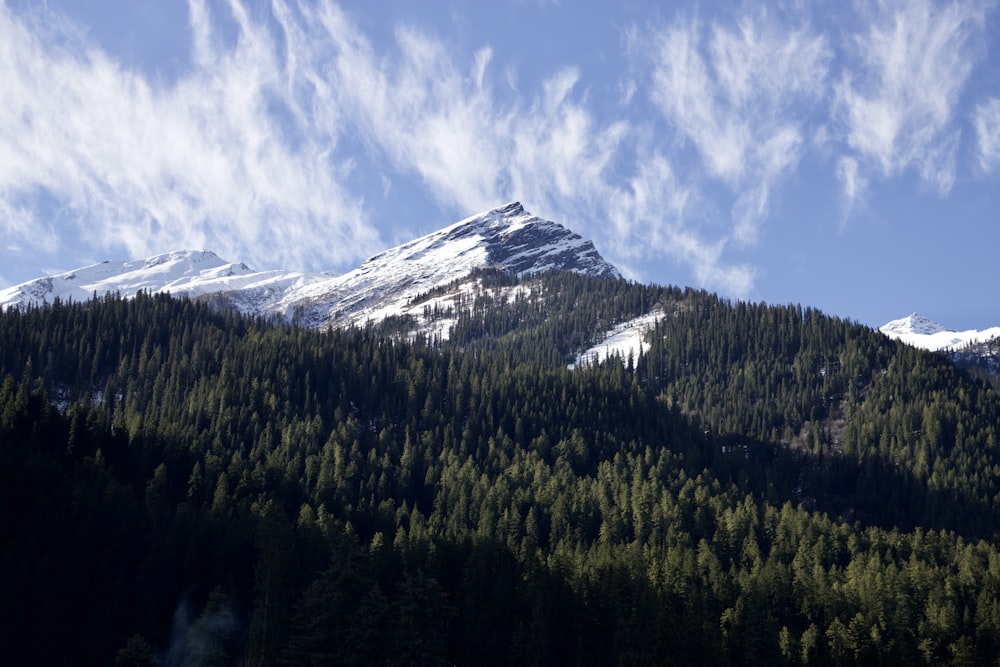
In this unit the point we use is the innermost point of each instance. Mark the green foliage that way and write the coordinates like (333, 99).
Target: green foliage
(763, 485)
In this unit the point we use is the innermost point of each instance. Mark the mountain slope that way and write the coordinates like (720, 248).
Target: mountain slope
(976, 351)
(508, 238)
(758, 475)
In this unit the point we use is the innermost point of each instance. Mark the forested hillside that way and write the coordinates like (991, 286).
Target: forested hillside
(763, 485)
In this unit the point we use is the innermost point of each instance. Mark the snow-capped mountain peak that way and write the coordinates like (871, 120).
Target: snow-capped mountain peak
(919, 331)
(507, 237)
(173, 271)
(915, 323)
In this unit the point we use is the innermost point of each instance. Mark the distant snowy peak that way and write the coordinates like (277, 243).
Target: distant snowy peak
(924, 333)
(167, 272)
(915, 323)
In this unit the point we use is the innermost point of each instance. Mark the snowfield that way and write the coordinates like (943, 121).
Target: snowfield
(625, 339)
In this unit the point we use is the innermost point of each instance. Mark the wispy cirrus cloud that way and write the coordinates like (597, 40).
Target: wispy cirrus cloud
(853, 183)
(145, 166)
(471, 146)
(19, 229)
(896, 100)
(259, 148)
(242, 152)
(426, 112)
(986, 120)
(736, 93)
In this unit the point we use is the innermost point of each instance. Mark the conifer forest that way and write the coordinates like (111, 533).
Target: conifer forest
(759, 485)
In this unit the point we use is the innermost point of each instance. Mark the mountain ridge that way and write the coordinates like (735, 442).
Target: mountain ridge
(507, 237)
(389, 283)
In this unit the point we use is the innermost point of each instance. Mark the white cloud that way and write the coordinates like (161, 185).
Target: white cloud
(203, 162)
(19, 229)
(627, 91)
(656, 207)
(419, 111)
(735, 93)
(897, 101)
(248, 151)
(987, 122)
(853, 183)
(473, 148)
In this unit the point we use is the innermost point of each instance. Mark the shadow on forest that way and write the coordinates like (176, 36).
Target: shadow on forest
(873, 492)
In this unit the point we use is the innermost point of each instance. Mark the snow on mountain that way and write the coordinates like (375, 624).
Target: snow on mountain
(180, 272)
(436, 314)
(623, 340)
(915, 323)
(917, 330)
(507, 237)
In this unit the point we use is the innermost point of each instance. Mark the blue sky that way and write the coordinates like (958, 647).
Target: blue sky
(842, 156)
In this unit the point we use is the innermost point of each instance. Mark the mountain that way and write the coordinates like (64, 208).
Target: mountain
(183, 272)
(764, 484)
(919, 331)
(915, 323)
(508, 238)
(977, 351)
